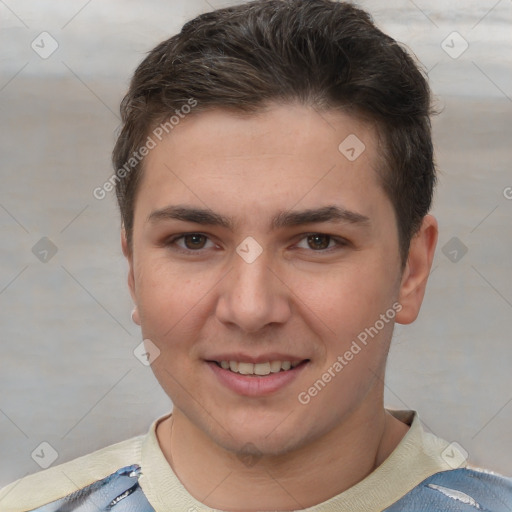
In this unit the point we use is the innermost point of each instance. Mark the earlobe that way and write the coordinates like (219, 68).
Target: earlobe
(135, 315)
(417, 270)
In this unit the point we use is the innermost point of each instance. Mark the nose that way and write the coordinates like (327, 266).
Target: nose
(253, 296)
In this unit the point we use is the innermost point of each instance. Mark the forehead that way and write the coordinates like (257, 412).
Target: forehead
(279, 129)
(285, 155)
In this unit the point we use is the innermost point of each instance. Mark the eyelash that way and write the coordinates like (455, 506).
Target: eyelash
(340, 242)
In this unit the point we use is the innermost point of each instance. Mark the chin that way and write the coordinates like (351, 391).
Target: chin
(257, 447)
(271, 437)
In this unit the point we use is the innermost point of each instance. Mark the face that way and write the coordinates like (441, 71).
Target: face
(258, 244)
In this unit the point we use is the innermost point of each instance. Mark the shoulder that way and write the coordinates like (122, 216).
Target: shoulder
(54, 483)
(459, 490)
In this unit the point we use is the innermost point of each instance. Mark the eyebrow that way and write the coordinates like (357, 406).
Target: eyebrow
(289, 218)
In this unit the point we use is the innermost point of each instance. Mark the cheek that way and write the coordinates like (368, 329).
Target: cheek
(171, 299)
(355, 345)
(351, 296)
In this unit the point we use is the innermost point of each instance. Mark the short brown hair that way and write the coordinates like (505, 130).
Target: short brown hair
(320, 53)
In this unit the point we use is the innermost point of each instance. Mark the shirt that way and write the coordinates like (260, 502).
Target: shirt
(134, 476)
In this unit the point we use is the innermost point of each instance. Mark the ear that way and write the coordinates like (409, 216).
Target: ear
(417, 270)
(131, 277)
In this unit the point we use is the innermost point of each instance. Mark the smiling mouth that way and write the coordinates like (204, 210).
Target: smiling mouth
(258, 369)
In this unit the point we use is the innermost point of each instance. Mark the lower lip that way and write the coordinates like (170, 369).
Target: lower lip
(256, 385)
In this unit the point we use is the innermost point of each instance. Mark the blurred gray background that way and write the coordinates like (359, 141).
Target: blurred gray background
(68, 375)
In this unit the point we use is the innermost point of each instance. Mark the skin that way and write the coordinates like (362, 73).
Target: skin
(296, 298)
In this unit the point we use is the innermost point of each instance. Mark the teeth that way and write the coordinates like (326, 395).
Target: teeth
(275, 366)
(246, 368)
(258, 368)
(262, 368)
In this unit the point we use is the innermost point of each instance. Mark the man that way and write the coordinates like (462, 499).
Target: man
(274, 175)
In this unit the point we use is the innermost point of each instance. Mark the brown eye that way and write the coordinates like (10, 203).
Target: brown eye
(194, 241)
(318, 241)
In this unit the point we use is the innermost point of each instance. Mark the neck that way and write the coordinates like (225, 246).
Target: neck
(303, 478)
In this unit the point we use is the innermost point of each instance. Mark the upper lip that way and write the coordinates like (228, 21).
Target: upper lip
(263, 358)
